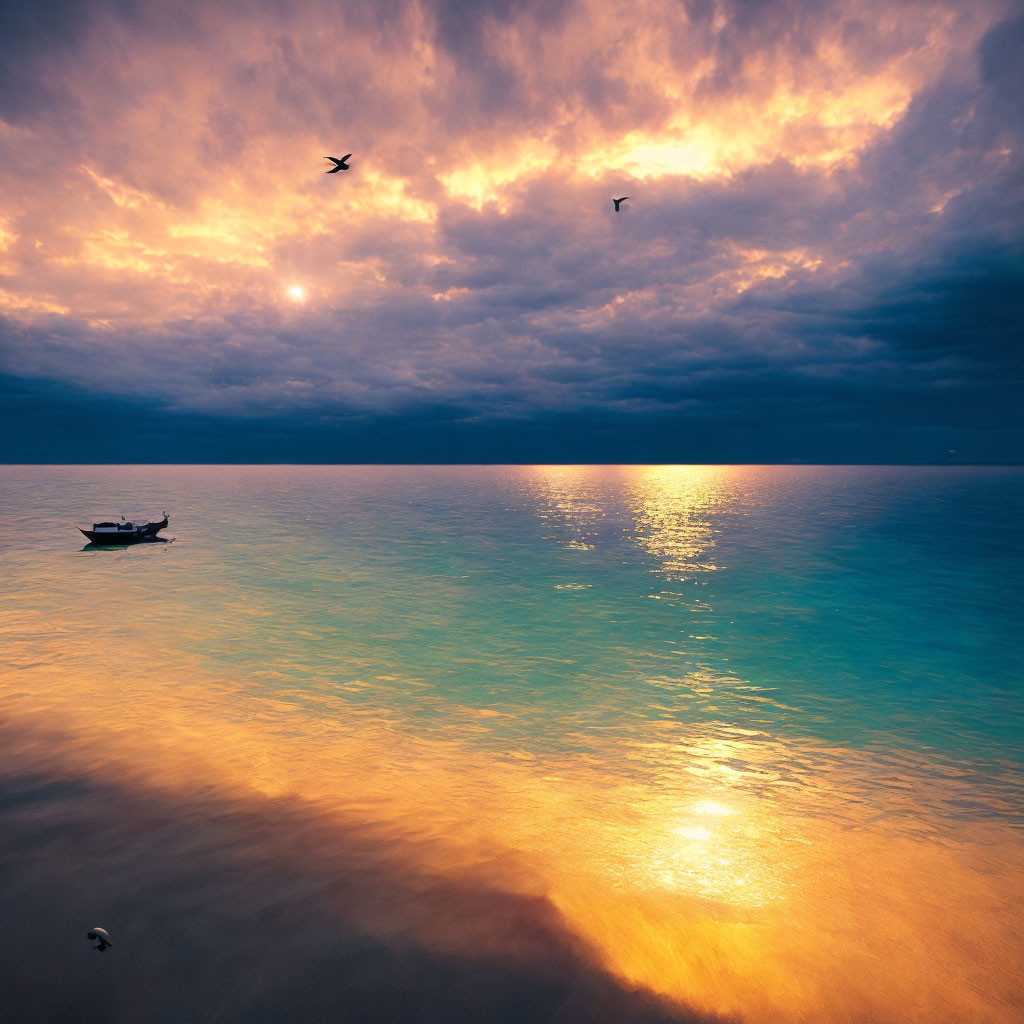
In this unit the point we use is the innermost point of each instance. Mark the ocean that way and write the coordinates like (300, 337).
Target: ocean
(549, 743)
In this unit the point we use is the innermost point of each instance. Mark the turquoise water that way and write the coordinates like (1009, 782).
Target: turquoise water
(839, 644)
(867, 606)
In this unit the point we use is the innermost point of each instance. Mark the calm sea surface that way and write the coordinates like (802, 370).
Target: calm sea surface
(514, 743)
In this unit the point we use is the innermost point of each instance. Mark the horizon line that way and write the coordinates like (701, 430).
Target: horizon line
(470, 465)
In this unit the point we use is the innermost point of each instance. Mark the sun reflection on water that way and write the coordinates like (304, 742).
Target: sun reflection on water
(715, 882)
(674, 508)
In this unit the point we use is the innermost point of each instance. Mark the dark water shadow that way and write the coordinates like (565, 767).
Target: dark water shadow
(264, 909)
(124, 547)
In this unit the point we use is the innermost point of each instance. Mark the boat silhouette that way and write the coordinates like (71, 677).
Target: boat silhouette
(125, 532)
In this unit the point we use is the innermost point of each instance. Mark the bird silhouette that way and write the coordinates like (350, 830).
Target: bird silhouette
(617, 201)
(101, 937)
(340, 165)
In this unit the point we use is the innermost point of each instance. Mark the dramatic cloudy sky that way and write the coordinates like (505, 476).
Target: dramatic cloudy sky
(822, 258)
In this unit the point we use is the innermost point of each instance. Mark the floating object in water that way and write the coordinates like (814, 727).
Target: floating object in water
(125, 532)
(101, 937)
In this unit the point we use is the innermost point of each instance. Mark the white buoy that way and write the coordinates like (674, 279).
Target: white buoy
(101, 936)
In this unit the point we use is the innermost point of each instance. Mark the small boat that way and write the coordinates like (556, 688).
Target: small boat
(125, 532)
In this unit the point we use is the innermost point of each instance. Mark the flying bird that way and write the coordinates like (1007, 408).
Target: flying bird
(101, 936)
(615, 201)
(339, 165)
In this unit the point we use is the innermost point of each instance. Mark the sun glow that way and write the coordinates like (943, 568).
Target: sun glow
(297, 293)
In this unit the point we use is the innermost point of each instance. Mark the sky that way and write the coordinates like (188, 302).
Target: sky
(821, 259)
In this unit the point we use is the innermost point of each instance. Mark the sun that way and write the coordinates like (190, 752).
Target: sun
(297, 293)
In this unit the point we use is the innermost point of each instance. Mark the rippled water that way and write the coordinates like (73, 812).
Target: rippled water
(613, 743)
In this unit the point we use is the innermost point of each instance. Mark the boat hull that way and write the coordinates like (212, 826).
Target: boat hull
(108, 538)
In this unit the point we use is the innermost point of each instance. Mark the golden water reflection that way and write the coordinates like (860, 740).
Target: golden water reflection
(572, 500)
(673, 509)
(724, 883)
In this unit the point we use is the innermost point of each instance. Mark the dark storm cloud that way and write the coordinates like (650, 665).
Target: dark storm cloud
(30, 36)
(1002, 72)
